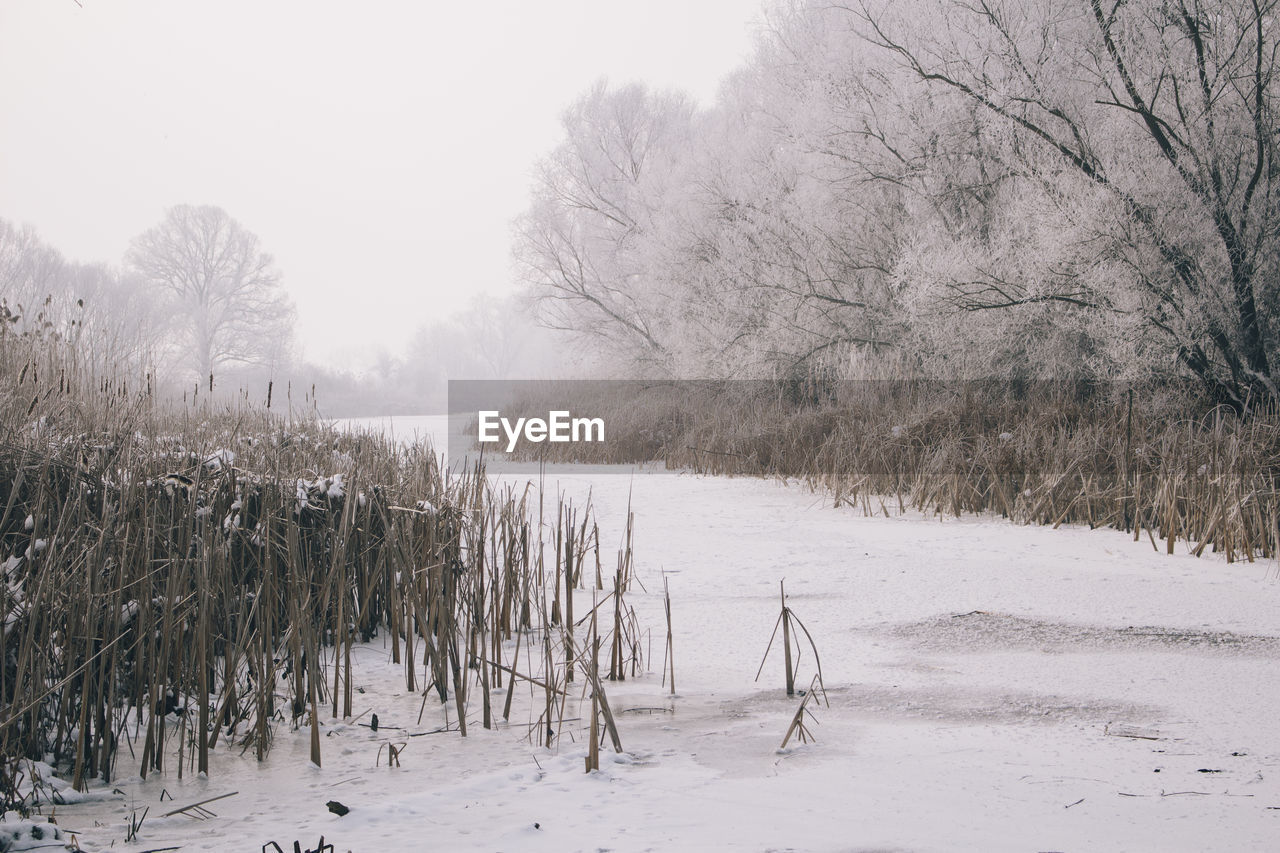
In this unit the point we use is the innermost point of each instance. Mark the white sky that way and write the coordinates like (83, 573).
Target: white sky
(379, 149)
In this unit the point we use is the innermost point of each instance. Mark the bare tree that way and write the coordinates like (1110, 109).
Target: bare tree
(227, 304)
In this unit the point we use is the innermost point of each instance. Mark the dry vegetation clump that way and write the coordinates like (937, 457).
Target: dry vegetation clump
(1154, 462)
(179, 577)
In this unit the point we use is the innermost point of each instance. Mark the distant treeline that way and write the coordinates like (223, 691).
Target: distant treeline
(226, 332)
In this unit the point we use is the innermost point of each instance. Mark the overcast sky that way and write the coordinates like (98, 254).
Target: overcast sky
(379, 149)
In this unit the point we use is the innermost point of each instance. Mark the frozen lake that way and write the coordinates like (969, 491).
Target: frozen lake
(991, 687)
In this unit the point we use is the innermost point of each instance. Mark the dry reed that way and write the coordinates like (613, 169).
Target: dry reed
(1155, 462)
(180, 576)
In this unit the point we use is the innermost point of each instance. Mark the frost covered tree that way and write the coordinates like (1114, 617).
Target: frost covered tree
(221, 290)
(791, 240)
(1140, 138)
(728, 242)
(584, 246)
(997, 188)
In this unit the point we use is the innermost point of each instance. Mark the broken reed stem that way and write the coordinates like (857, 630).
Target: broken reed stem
(669, 662)
(786, 639)
(569, 586)
(797, 720)
(593, 747)
(785, 619)
(315, 716)
(616, 672)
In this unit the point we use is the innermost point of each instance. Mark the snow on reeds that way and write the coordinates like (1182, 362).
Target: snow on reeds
(181, 580)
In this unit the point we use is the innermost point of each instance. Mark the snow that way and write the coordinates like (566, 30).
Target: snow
(17, 834)
(220, 459)
(335, 489)
(985, 683)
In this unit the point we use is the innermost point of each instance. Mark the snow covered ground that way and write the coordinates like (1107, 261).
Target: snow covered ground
(984, 681)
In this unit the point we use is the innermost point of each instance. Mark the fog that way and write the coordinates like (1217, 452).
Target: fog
(379, 151)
